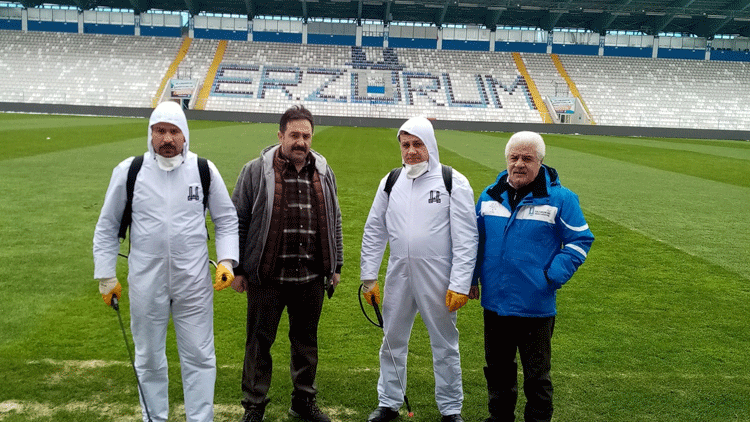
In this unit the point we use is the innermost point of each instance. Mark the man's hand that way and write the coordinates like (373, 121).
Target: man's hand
(454, 301)
(371, 291)
(224, 275)
(474, 292)
(109, 287)
(239, 284)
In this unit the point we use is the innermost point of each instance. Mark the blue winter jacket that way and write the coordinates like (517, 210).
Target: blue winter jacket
(524, 256)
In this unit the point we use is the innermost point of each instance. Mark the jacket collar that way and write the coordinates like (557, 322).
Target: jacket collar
(538, 186)
(281, 163)
(320, 163)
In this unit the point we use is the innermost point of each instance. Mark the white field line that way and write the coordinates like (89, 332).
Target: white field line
(128, 413)
(33, 410)
(71, 365)
(93, 364)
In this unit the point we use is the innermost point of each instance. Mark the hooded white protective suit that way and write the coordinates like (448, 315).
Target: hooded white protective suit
(433, 244)
(168, 268)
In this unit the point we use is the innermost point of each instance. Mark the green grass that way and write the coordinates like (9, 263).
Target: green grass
(653, 327)
(27, 135)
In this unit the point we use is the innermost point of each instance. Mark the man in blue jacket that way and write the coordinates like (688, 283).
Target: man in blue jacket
(532, 238)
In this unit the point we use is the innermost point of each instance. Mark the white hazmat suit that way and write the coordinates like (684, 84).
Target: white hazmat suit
(168, 268)
(433, 244)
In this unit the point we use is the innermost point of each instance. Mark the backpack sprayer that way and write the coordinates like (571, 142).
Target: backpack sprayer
(116, 307)
(379, 324)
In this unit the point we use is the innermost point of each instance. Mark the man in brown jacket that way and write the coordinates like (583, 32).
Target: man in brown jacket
(291, 252)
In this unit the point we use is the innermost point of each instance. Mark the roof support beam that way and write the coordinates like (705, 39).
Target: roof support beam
(661, 23)
(701, 17)
(140, 6)
(85, 4)
(493, 18)
(739, 6)
(607, 19)
(439, 21)
(193, 7)
(714, 28)
(550, 20)
(603, 22)
(711, 30)
(250, 9)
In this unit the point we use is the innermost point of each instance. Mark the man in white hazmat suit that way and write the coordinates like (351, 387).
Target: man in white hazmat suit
(433, 242)
(168, 264)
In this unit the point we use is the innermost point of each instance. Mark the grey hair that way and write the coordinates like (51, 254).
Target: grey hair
(527, 138)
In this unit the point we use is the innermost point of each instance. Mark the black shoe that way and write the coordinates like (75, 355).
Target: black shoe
(492, 419)
(452, 418)
(253, 414)
(307, 410)
(382, 414)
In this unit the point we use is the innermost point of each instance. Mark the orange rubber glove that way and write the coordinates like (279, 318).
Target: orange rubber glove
(454, 301)
(224, 275)
(371, 291)
(108, 287)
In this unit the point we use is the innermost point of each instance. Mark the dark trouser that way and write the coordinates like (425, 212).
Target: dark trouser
(265, 305)
(532, 338)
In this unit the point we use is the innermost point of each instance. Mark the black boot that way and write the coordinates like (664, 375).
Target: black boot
(253, 414)
(382, 414)
(307, 410)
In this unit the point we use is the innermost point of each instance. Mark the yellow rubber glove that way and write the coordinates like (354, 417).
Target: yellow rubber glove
(371, 291)
(454, 301)
(108, 287)
(224, 275)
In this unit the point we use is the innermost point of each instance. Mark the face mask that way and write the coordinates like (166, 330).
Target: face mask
(169, 164)
(415, 170)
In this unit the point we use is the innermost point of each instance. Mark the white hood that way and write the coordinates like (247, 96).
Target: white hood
(169, 112)
(422, 128)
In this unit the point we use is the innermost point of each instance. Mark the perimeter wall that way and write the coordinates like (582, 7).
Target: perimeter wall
(650, 132)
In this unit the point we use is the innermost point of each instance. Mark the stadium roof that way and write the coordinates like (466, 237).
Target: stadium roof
(704, 18)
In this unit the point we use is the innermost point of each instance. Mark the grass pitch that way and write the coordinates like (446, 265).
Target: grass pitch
(653, 327)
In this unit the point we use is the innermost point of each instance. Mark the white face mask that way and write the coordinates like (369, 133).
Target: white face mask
(169, 164)
(415, 170)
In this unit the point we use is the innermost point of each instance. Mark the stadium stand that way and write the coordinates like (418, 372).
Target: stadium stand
(371, 82)
(199, 56)
(83, 69)
(260, 77)
(663, 92)
(547, 78)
